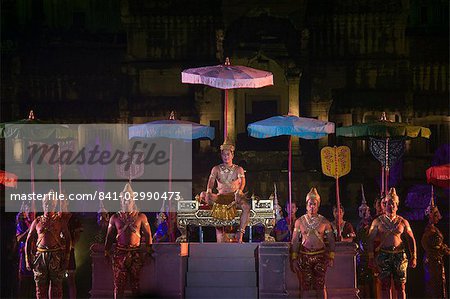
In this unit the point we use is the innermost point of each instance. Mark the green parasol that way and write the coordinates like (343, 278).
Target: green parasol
(33, 130)
(386, 130)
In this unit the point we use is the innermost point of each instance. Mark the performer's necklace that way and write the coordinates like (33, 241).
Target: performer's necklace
(312, 223)
(389, 224)
(46, 218)
(47, 221)
(227, 173)
(127, 217)
(391, 220)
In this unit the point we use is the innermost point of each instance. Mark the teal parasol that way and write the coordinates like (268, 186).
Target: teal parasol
(391, 146)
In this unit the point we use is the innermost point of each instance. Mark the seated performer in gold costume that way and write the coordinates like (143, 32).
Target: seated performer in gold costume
(391, 262)
(230, 180)
(310, 257)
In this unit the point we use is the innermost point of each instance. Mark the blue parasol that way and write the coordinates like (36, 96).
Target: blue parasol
(173, 129)
(291, 125)
(303, 127)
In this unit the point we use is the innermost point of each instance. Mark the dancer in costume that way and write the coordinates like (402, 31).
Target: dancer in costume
(230, 180)
(364, 274)
(282, 231)
(310, 256)
(25, 277)
(127, 260)
(391, 261)
(435, 250)
(51, 259)
(346, 228)
(162, 231)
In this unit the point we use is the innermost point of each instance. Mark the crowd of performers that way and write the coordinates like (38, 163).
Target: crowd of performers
(385, 248)
(386, 244)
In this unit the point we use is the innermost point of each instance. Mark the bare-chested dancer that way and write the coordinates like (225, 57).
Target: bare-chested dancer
(391, 261)
(126, 226)
(310, 256)
(52, 256)
(230, 180)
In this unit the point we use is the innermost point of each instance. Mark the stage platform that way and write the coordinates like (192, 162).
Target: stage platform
(224, 270)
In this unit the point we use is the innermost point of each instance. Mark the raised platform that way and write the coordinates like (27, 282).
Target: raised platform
(190, 213)
(221, 271)
(257, 270)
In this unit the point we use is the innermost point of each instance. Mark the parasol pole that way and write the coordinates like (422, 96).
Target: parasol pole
(432, 195)
(382, 181)
(169, 212)
(33, 204)
(59, 169)
(225, 110)
(59, 174)
(170, 165)
(338, 200)
(225, 117)
(290, 179)
(170, 226)
(386, 173)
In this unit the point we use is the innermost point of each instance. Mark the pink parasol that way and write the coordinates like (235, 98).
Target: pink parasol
(227, 76)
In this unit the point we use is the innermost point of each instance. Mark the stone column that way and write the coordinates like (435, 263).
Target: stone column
(341, 278)
(273, 264)
(163, 274)
(102, 275)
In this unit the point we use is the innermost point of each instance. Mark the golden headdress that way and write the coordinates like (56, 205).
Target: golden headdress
(393, 195)
(432, 206)
(313, 194)
(227, 145)
(129, 190)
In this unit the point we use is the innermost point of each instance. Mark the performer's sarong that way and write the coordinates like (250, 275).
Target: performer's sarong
(127, 261)
(49, 267)
(72, 265)
(392, 261)
(313, 266)
(435, 282)
(223, 208)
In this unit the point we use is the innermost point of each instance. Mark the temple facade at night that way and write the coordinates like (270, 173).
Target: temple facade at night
(340, 61)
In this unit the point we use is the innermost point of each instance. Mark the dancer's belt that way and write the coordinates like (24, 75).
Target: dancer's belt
(393, 249)
(44, 249)
(128, 248)
(313, 252)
